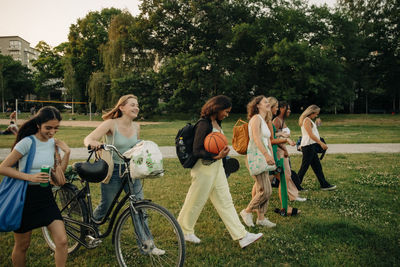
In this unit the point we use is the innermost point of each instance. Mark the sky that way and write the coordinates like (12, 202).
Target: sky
(49, 20)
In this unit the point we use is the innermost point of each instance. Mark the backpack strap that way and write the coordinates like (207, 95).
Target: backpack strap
(31, 155)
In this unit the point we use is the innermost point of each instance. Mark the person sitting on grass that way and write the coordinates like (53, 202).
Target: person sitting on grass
(11, 129)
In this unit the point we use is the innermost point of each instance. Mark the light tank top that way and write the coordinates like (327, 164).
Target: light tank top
(306, 139)
(121, 142)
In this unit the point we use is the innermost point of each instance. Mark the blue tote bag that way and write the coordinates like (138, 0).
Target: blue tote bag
(12, 196)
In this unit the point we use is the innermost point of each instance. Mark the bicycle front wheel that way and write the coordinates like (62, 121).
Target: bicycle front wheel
(165, 235)
(76, 210)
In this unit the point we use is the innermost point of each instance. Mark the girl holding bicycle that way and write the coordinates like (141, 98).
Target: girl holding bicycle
(40, 209)
(123, 133)
(209, 179)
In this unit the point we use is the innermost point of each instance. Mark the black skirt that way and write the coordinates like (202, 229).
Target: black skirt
(40, 209)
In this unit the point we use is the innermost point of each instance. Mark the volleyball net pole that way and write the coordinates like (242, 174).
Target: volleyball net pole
(58, 102)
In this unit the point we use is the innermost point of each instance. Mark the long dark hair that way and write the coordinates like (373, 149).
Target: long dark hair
(282, 104)
(214, 105)
(32, 126)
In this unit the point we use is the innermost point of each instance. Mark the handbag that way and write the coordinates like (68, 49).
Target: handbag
(256, 160)
(57, 173)
(106, 155)
(93, 172)
(12, 196)
(320, 150)
(240, 140)
(318, 147)
(145, 160)
(231, 165)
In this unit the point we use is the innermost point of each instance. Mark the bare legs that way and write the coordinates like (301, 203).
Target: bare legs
(22, 242)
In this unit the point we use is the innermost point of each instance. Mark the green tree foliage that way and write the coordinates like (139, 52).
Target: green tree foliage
(183, 52)
(70, 81)
(99, 90)
(83, 55)
(140, 84)
(49, 71)
(126, 59)
(15, 79)
(378, 22)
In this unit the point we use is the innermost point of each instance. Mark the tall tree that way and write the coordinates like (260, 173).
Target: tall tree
(126, 57)
(16, 79)
(378, 22)
(49, 71)
(85, 38)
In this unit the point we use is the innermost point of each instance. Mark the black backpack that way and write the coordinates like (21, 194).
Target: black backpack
(184, 145)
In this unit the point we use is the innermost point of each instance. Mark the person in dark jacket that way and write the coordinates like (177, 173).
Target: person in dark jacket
(209, 179)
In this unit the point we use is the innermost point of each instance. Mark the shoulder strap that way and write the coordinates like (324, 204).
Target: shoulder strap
(31, 155)
(115, 128)
(201, 119)
(281, 122)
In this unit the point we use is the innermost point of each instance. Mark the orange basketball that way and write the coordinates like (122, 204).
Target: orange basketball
(215, 142)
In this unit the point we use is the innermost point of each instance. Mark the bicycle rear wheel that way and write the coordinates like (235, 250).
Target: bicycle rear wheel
(75, 210)
(166, 235)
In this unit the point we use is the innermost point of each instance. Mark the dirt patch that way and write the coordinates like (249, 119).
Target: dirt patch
(78, 123)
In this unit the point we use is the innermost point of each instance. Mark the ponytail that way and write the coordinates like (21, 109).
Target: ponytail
(32, 126)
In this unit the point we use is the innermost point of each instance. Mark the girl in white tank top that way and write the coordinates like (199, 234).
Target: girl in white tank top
(306, 139)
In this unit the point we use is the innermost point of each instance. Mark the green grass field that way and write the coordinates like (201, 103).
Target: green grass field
(336, 129)
(356, 225)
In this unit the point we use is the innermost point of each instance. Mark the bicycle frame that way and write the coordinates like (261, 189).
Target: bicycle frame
(84, 193)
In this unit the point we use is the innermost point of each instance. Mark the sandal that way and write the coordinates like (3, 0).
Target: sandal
(295, 212)
(283, 212)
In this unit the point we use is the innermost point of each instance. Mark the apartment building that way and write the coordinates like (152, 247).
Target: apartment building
(18, 49)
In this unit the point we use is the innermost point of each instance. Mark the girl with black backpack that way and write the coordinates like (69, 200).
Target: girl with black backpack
(209, 179)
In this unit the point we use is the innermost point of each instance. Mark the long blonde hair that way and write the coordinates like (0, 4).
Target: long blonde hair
(310, 110)
(115, 112)
(272, 101)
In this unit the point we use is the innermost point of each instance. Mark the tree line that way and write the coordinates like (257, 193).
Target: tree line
(176, 54)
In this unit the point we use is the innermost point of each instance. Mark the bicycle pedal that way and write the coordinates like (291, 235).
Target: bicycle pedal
(92, 241)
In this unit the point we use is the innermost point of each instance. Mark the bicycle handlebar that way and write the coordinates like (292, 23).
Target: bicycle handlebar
(109, 148)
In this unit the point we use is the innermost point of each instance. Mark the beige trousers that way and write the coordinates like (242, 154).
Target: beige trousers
(293, 193)
(210, 182)
(263, 193)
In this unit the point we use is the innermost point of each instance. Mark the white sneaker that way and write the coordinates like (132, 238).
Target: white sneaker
(157, 252)
(247, 218)
(192, 238)
(249, 238)
(266, 222)
(300, 199)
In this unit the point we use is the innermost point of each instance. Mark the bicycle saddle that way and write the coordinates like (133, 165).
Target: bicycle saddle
(93, 172)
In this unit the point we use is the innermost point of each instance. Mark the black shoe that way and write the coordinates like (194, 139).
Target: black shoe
(329, 188)
(275, 182)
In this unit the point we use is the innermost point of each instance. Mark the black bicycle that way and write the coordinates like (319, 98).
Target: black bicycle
(144, 233)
